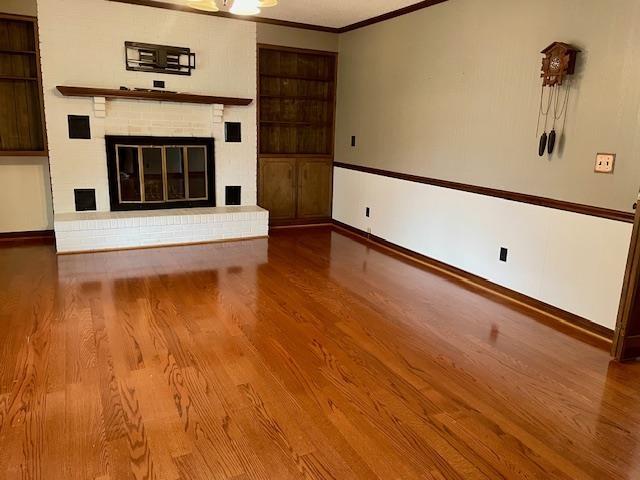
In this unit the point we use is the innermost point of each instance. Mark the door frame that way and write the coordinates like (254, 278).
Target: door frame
(626, 347)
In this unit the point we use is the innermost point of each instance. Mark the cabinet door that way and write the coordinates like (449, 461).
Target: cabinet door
(277, 187)
(315, 183)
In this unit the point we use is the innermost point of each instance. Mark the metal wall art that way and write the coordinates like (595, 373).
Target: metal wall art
(146, 57)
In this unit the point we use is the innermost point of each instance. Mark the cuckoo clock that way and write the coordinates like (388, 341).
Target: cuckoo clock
(558, 64)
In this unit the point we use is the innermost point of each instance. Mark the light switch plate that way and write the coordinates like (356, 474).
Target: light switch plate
(605, 162)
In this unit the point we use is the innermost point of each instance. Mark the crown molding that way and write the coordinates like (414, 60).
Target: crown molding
(286, 23)
(184, 8)
(390, 15)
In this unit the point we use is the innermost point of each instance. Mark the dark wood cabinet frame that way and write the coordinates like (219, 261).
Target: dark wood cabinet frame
(626, 342)
(43, 152)
(296, 157)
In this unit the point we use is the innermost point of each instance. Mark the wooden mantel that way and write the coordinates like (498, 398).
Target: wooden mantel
(153, 96)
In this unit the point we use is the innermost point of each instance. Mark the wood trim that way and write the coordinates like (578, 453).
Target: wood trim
(295, 155)
(555, 317)
(38, 236)
(38, 78)
(271, 21)
(155, 96)
(504, 194)
(628, 297)
(324, 223)
(22, 18)
(281, 48)
(45, 135)
(286, 23)
(24, 153)
(300, 222)
(390, 15)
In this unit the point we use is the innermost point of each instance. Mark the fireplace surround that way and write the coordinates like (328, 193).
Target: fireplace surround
(151, 173)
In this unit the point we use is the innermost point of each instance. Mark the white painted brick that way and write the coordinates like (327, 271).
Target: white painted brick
(218, 41)
(80, 232)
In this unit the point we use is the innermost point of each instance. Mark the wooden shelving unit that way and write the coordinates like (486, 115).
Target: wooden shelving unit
(297, 101)
(296, 111)
(22, 130)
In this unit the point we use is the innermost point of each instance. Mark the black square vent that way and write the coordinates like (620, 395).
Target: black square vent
(79, 126)
(232, 132)
(85, 199)
(233, 195)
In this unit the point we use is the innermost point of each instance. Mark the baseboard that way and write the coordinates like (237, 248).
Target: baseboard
(300, 222)
(555, 317)
(324, 223)
(36, 236)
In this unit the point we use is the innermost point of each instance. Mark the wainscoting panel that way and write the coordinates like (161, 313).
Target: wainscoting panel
(572, 261)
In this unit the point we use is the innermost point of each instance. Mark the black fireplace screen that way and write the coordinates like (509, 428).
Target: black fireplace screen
(160, 172)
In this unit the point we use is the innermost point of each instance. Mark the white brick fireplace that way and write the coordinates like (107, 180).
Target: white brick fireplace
(82, 44)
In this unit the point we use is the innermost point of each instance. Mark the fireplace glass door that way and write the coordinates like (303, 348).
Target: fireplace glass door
(160, 174)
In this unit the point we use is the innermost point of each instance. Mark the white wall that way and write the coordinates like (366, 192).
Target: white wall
(82, 44)
(296, 37)
(452, 92)
(572, 261)
(25, 194)
(25, 188)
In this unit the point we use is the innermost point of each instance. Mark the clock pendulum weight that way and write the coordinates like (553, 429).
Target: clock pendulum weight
(559, 62)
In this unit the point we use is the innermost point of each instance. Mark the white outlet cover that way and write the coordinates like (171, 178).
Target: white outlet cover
(605, 162)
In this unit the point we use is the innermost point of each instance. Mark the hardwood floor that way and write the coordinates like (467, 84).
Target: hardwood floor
(307, 355)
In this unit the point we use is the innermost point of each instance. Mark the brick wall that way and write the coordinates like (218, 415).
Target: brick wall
(82, 44)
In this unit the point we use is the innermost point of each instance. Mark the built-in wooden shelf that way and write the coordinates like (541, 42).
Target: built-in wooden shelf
(153, 96)
(22, 119)
(293, 124)
(295, 155)
(297, 97)
(24, 153)
(17, 52)
(297, 77)
(296, 106)
(18, 77)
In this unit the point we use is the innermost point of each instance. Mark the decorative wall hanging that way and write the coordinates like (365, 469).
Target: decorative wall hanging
(146, 57)
(558, 64)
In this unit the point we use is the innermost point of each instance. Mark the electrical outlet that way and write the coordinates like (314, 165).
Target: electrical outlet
(605, 162)
(367, 212)
(503, 254)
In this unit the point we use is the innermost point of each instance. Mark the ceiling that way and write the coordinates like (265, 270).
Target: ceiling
(328, 13)
(332, 13)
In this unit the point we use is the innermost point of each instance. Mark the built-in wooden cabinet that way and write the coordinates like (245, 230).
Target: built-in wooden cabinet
(296, 111)
(295, 189)
(315, 181)
(21, 114)
(277, 187)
